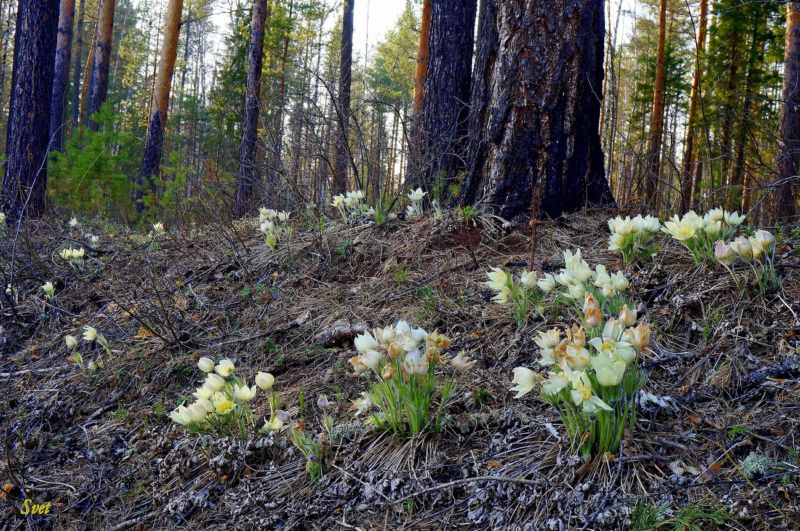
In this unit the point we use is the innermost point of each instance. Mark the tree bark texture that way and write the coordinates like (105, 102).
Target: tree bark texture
(657, 115)
(784, 196)
(66, 18)
(154, 144)
(342, 155)
(98, 85)
(29, 116)
(248, 171)
(78, 68)
(422, 54)
(688, 187)
(535, 108)
(442, 136)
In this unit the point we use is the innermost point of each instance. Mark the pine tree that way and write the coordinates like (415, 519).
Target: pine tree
(342, 155)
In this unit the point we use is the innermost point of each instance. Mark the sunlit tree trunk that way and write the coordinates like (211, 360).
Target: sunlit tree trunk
(154, 145)
(688, 187)
(61, 73)
(248, 174)
(342, 155)
(657, 115)
(98, 85)
(784, 196)
(29, 116)
(77, 69)
(534, 125)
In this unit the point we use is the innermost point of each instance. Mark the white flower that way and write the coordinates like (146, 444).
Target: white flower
(338, 201)
(71, 341)
(78, 254)
(363, 404)
(525, 380)
(197, 412)
(158, 228)
(371, 359)
(619, 281)
(608, 370)
(501, 297)
(716, 214)
(214, 382)
(681, 229)
(462, 363)
(181, 416)
(89, 333)
(546, 283)
(576, 291)
(742, 247)
(205, 364)
(243, 393)
(582, 395)
(283, 216)
(612, 343)
(723, 252)
(528, 279)
(576, 266)
(733, 219)
(265, 381)
(224, 368)
(765, 238)
(323, 402)
(415, 362)
(627, 316)
(206, 404)
(365, 342)
(203, 392)
(48, 289)
(548, 340)
(73, 222)
(417, 195)
(498, 279)
(554, 384)
(385, 336)
(615, 242)
(222, 404)
(651, 224)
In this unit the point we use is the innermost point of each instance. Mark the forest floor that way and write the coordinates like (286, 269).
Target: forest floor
(723, 385)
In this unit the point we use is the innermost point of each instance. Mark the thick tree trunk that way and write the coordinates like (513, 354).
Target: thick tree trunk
(536, 107)
(657, 115)
(158, 115)
(29, 115)
(342, 155)
(98, 85)
(688, 186)
(78, 68)
(784, 196)
(248, 171)
(443, 124)
(61, 73)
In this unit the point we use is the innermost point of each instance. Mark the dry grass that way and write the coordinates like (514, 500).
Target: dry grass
(724, 365)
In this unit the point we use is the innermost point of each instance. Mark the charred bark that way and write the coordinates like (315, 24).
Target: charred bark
(342, 155)
(248, 171)
(29, 116)
(441, 140)
(784, 196)
(535, 108)
(61, 73)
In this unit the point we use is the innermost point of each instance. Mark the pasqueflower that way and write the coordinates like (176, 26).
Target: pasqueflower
(365, 342)
(243, 393)
(71, 341)
(498, 279)
(48, 289)
(265, 381)
(627, 316)
(546, 283)
(224, 368)
(608, 370)
(582, 395)
(528, 279)
(525, 380)
(462, 363)
(205, 364)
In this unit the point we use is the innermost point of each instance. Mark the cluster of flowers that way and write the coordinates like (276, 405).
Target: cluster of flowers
(414, 210)
(90, 335)
(403, 361)
(222, 402)
(352, 203)
(578, 279)
(73, 256)
(632, 236)
(592, 381)
(699, 234)
(757, 251)
(522, 294)
(273, 225)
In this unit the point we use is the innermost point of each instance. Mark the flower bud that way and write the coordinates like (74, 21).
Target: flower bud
(205, 364)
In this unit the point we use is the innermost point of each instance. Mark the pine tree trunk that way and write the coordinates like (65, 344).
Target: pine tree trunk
(29, 115)
(422, 55)
(688, 187)
(153, 148)
(98, 85)
(657, 116)
(77, 69)
(784, 196)
(248, 171)
(443, 123)
(534, 124)
(61, 73)
(342, 155)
